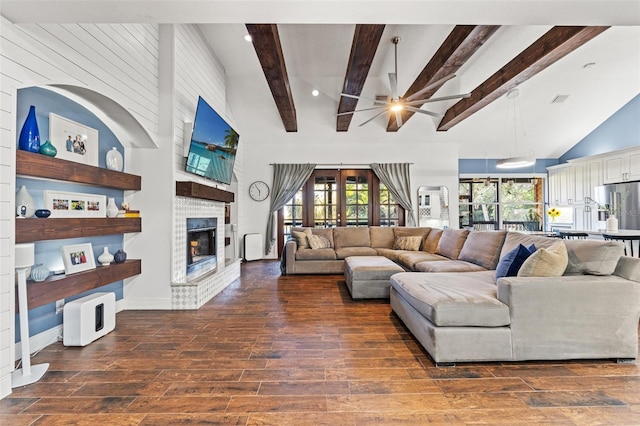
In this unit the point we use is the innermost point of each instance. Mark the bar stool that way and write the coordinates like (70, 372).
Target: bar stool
(624, 238)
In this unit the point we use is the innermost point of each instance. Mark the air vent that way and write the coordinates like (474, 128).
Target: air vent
(559, 99)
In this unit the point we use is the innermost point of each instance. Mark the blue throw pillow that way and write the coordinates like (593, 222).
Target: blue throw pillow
(510, 263)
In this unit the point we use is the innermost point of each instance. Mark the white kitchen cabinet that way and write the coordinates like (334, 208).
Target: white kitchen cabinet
(587, 175)
(561, 185)
(623, 166)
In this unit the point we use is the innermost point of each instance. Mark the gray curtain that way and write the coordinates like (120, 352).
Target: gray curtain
(287, 180)
(396, 178)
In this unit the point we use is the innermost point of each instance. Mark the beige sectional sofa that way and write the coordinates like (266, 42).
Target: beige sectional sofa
(450, 300)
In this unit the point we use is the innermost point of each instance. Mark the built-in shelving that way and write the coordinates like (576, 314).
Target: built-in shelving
(37, 229)
(41, 166)
(58, 287)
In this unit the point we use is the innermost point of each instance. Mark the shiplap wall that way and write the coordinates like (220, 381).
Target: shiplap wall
(119, 61)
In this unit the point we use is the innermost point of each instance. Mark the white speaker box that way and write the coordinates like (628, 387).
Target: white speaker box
(88, 318)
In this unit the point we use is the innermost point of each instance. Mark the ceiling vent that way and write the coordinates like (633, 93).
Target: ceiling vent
(559, 99)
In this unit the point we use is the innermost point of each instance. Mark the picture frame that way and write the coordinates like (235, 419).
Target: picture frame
(78, 258)
(75, 204)
(74, 141)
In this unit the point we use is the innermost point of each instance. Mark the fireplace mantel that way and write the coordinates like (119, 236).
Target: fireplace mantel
(198, 190)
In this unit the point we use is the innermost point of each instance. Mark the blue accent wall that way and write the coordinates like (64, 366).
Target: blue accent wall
(48, 253)
(621, 130)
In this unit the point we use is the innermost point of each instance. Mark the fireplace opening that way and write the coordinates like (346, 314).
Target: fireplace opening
(201, 246)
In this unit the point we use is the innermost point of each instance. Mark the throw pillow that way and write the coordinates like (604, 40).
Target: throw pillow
(301, 238)
(510, 263)
(407, 243)
(318, 241)
(546, 262)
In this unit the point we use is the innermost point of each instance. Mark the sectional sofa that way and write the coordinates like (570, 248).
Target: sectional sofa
(585, 305)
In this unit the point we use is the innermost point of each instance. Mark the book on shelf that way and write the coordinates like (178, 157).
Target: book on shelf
(129, 213)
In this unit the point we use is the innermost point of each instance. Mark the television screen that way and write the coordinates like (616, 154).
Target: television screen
(214, 142)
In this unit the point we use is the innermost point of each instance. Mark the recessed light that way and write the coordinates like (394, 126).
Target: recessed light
(247, 38)
(315, 92)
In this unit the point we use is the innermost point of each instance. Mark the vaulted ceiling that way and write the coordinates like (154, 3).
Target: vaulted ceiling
(574, 63)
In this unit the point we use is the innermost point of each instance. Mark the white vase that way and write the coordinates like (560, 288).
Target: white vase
(23, 198)
(112, 209)
(612, 224)
(114, 160)
(105, 258)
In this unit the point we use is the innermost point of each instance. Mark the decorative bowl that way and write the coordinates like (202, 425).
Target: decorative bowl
(43, 213)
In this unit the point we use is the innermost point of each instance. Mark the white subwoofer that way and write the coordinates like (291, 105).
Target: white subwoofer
(88, 318)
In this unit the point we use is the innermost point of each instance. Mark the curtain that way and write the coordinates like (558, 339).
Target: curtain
(395, 176)
(287, 180)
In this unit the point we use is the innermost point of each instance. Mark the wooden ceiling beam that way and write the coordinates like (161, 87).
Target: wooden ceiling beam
(552, 46)
(266, 42)
(366, 39)
(458, 47)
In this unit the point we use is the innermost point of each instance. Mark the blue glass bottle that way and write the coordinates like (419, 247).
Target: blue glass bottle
(29, 135)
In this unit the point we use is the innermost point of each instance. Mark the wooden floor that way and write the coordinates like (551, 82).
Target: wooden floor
(296, 350)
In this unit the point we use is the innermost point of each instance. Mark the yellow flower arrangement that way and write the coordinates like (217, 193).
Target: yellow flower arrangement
(553, 213)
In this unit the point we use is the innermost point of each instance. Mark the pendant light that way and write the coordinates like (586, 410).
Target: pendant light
(516, 161)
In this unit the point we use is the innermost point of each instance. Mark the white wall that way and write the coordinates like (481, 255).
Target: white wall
(116, 60)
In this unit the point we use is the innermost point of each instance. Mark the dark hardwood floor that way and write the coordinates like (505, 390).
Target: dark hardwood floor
(296, 350)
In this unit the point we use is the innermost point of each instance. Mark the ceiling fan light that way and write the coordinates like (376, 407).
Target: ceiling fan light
(515, 162)
(396, 107)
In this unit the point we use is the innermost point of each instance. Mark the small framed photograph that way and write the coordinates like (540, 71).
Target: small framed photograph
(77, 258)
(74, 141)
(75, 204)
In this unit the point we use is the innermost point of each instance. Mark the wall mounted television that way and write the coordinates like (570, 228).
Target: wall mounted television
(213, 146)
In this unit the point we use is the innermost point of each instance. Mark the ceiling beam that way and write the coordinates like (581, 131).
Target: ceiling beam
(459, 46)
(366, 39)
(552, 46)
(266, 42)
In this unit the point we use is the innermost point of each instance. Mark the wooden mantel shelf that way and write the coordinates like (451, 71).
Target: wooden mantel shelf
(198, 190)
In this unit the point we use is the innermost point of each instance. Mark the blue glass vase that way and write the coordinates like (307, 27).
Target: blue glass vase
(29, 135)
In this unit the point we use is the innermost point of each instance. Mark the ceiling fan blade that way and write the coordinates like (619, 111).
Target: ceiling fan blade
(360, 110)
(371, 119)
(429, 87)
(442, 98)
(393, 83)
(375, 101)
(399, 118)
(421, 111)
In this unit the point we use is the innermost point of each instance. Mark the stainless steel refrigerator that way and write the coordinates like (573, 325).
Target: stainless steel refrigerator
(624, 199)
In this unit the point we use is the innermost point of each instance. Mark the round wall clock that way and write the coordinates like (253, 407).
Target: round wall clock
(259, 191)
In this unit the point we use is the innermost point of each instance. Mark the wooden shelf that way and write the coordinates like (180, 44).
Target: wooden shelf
(37, 229)
(41, 166)
(197, 190)
(58, 287)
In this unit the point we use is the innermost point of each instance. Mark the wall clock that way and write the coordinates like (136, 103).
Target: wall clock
(258, 191)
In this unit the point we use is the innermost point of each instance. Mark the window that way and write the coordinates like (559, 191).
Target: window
(388, 208)
(501, 203)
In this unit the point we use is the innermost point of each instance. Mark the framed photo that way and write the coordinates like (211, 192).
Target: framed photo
(74, 141)
(74, 204)
(78, 258)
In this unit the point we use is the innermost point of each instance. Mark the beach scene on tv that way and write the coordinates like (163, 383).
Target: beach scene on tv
(213, 146)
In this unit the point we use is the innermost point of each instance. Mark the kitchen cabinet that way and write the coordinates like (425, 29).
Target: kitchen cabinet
(624, 166)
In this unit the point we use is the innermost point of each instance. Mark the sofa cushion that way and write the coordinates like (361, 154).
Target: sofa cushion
(351, 237)
(464, 299)
(318, 242)
(430, 243)
(381, 236)
(409, 259)
(390, 254)
(593, 256)
(325, 232)
(510, 263)
(451, 242)
(546, 262)
(514, 238)
(301, 238)
(483, 248)
(447, 265)
(407, 243)
(401, 231)
(318, 254)
(343, 253)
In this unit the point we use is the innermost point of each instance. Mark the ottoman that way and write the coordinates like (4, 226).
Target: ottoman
(367, 277)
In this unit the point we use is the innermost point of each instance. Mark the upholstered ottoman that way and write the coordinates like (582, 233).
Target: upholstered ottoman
(367, 277)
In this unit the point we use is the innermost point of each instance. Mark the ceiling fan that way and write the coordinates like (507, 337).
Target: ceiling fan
(397, 104)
